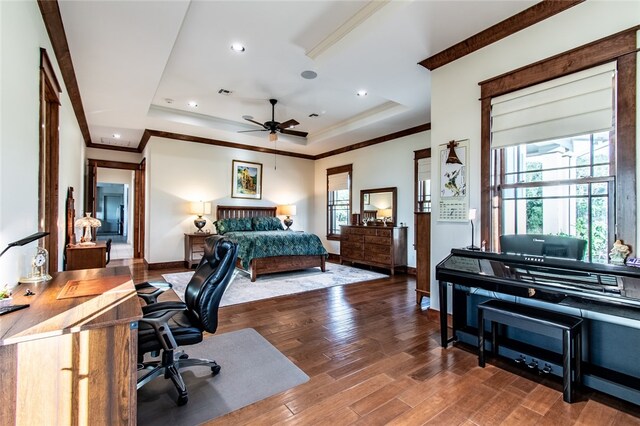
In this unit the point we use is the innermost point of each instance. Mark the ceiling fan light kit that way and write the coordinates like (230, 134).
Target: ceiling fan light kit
(274, 127)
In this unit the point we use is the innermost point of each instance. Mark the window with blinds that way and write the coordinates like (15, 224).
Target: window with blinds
(338, 199)
(553, 159)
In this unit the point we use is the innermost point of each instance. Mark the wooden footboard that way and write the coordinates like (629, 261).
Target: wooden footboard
(268, 265)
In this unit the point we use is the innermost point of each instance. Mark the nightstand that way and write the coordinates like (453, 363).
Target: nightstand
(194, 248)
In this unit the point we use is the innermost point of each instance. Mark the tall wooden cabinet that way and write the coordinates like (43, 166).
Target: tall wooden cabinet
(423, 255)
(381, 246)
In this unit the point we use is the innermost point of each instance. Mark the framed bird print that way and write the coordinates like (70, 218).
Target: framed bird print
(454, 193)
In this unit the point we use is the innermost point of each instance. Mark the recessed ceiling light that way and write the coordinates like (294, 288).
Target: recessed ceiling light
(168, 100)
(237, 47)
(362, 93)
(116, 135)
(308, 74)
(293, 126)
(192, 104)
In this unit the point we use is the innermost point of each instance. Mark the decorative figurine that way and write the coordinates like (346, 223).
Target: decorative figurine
(619, 253)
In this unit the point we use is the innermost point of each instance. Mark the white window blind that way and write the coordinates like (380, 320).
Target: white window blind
(338, 181)
(576, 104)
(424, 169)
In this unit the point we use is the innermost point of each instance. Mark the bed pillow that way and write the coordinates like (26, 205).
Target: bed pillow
(233, 225)
(266, 224)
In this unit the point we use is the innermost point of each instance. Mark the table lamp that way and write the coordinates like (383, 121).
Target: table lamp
(385, 214)
(87, 222)
(288, 210)
(25, 240)
(200, 208)
(472, 217)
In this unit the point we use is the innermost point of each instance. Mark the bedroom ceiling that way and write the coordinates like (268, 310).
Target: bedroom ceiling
(139, 63)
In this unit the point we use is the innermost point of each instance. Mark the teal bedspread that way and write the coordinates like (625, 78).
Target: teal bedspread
(257, 244)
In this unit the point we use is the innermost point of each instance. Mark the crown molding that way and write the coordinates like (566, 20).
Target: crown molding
(526, 18)
(55, 28)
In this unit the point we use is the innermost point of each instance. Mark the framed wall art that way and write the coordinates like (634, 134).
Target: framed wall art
(454, 193)
(246, 180)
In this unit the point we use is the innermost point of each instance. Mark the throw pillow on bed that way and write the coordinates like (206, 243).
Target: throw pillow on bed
(233, 225)
(267, 224)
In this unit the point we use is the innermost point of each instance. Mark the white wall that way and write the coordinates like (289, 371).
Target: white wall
(107, 154)
(22, 33)
(455, 92)
(382, 165)
(181, 172)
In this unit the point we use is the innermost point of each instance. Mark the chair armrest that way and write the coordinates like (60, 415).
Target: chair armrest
(163, 306)
(149, 292)
(159, 320)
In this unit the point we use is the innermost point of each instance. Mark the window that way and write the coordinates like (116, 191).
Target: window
(599, 179)
(560, 187)
(549, 182)
(338, 199)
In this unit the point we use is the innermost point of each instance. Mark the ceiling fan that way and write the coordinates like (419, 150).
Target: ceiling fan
(273, 127)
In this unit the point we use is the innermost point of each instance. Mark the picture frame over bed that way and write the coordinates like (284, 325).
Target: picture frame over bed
(270, 264)
(246, 180)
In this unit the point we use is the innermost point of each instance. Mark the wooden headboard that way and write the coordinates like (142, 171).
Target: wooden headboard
(231, 212)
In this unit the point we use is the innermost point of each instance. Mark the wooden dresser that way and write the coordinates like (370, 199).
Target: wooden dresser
(423, 255)
(194, 248)
(381, 246)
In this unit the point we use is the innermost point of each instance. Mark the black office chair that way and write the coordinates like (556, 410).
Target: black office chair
(167, 325)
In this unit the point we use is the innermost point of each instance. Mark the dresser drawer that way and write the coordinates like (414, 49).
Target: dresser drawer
(353, 245)
(351, 253)
(386, 233)
(377, 240)
(384, 259)
(355, 238)
(378, 249)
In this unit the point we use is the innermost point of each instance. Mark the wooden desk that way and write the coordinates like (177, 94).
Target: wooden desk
(73, 360)
(86, 257)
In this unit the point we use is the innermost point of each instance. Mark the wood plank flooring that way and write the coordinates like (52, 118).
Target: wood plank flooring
(374, 358)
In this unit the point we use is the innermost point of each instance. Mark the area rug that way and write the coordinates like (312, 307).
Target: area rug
(252, 370)
(242, 290)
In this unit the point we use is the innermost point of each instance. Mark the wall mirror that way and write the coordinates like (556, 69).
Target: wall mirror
(379, 205)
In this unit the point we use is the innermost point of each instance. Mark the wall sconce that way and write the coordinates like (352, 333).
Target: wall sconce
(288, 210)
(200, 208)
(472, 217)
(452, 158)
(87, 222)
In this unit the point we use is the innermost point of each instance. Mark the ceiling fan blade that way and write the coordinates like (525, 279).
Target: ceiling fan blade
(247, 131)
(288, 123)
(294, 133)
(254, 122)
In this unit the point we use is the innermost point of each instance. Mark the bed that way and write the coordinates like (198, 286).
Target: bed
(264, 246)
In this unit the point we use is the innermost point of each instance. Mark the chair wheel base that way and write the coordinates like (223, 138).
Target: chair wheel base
(182, 400)
(215, 370)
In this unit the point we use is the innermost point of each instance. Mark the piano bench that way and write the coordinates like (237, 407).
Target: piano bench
(548, 323)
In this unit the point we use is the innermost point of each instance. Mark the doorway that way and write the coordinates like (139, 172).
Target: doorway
(115, 195)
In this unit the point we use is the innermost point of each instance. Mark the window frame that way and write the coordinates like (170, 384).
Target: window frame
(348, 168)
(620, 47)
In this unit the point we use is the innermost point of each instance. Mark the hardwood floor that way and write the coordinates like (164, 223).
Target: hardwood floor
(373, 358)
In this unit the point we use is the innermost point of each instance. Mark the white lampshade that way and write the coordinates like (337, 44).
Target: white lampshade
(287, 210)
(384, 213)
(200, 208)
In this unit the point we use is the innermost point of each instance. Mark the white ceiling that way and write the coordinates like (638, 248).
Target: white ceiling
(131, 56)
